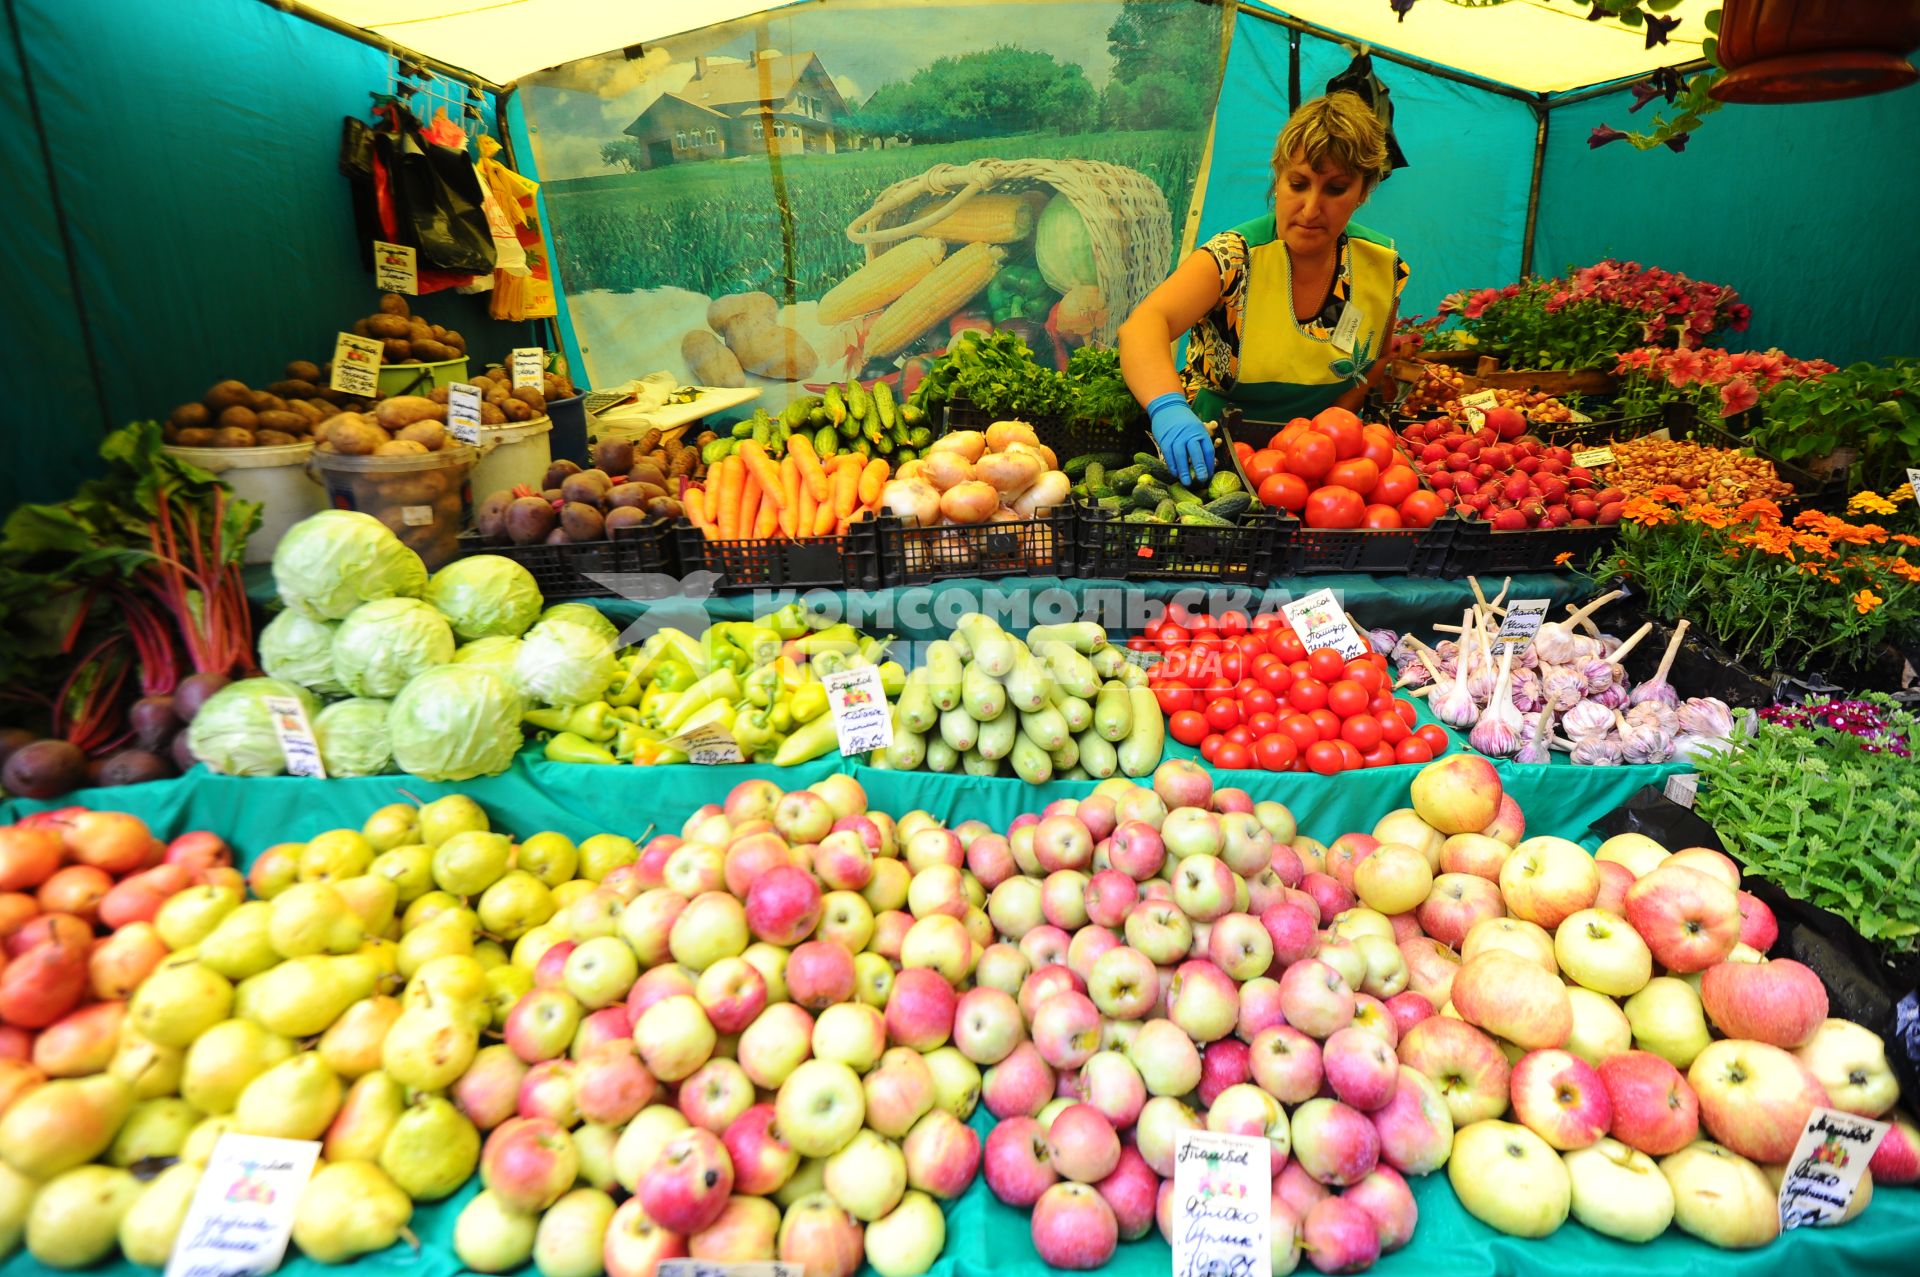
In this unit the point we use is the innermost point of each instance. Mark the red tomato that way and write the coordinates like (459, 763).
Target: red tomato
(1204, 637)
(1268, 621)
(1382, 703)
(1233, 756)
(1241, 735)
(1252, 647)
(1284, 491)
(1286, 645)
(1366, 673)
(1307, 694)
(1262, 723)
(1334, 508)
(1420, 509)
(1359, 474)
(1223, 714)
(1406, 712)
(1380, 755)
(1261, 464)
(1171, 635)
(1354, 761)
(1376, 445)
(1362, 731)
(1210, 745)
(1435, 736)
(1275, 751)
(1311, 456)
(1259, 701)
(1232, 663)
(1397, 483)
(1291, 431)
(1218, 688)
(1232, 624)
(1276, 678)
(1325, 759)
(1174, 698)
(1392, 730)
(1301, 730)
(1343, 428)
(1262, 659)
(1412, 750)
(1326, 722)
(1242, 450)
(1347, 698)
(1382, 518)
(1244, 688)
(1326, 664)
(1187, 726)
(1301, 669)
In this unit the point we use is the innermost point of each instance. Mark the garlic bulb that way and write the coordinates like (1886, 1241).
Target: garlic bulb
(1497, 734)
(1657, 688)
(1586, 719)
(1597, 751)
(1536, 744)
(1526, 691)
(1563, 683)
(1560, 641)
(1704, 716)
(1615, 697)
(1652, 714)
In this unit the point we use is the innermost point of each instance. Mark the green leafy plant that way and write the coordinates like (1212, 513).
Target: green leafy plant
(996, 373)
(1827, 816)
(1872, 409)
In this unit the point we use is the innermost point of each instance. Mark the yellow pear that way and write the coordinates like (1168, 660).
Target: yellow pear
(349, 1209)
(75, 1220)
(302, 997)
(372, 899)
(313, 917)
(351, 1047)
(148, 1229)
(428, 1048)
(392, 826)
(181, 1000)
(296, 1099)
(224, 1059)
(16, 1198)
(155, 1128)
(360, 1129)
(63, 1123)
(336, 854)
(442, 818)
(190, 916)
(241, 945)
(146, 1066)
(198, 1149)
(432, 1150)
(408, 868)
(444, 935)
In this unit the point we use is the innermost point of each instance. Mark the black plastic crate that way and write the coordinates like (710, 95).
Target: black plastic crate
(1478, 550)
(849, 562)
(1066, 441)
(1820, 491)
(570, 571)
(1113, 549)
(1040, 546)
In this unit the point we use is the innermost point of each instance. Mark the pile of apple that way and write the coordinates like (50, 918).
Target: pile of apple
(1506, 477)
(67, 878)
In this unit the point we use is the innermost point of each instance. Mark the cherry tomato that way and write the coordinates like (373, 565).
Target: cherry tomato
(1276, 678)
(1233, 756)
(1210, 745)
(1347, 698)
(1397, 483)
(1326, 664)
(1326, 722)
(1286, 645)
(1260, 464)
(1187, 726)
(1359, 474)
(1376, 445)
(1312, 456)
(1301, 730)
(1262, 723)
(1381, 518)
(1174, 698)
(1392, 730)
(1275, 751)
(1241, 735)
(1324, 758)
(1307, 693)
(1332, 507)
(1343, 428)
(1366, 673)
(1380, 755)
(1223, 714)
(1412, 750)
(1435, 736)
(1407, 713)
(1421, 509)
(1284, 490)
(1362, 731)
(1354, 761)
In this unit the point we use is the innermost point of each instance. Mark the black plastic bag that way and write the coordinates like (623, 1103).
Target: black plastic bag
(437, 200)
(1863, 985)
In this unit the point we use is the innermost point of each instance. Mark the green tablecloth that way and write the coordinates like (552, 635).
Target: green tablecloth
(984, 1236)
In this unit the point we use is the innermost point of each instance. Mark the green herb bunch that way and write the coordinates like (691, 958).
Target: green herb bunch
(996, 373)
(1873, 409)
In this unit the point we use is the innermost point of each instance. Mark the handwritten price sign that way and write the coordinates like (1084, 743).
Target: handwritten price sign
(1223, 1206)
(858, 703)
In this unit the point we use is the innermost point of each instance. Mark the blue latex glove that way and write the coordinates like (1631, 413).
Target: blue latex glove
(1183, 441)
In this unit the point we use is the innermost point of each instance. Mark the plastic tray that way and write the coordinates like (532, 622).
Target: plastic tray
(850, 562)
(1066, 441)
(1042, 546)
(1113, 549)
(569, 571)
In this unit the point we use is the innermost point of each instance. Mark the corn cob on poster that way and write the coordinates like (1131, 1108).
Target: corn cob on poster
(834, 191)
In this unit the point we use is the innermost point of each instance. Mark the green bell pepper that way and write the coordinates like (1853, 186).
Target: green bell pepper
(569, 747)
(1018, 292)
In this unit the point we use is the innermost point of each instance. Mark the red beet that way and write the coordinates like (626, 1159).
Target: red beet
(44, 769)
(153, 721)
(193, 692)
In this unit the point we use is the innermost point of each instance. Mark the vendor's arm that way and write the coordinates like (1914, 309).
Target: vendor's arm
(1146, 361)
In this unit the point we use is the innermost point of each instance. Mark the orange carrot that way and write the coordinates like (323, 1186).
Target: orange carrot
(823, 519)
(750, 501)
(732, 478)
(800, 448)
(767, 522)
(846, 485)
(696, 514)
(803, 520)
(789, 474)
(872, 480)
(756, 460)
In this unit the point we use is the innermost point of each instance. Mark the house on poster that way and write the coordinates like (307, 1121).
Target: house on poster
(783, 102)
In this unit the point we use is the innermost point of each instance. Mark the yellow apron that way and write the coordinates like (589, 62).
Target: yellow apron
(1284, 370)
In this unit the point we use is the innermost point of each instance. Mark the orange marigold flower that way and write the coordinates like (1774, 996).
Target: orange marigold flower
(1813, 519)
(1857, 534)
(1668, 493)
(1646, 512)
(1865, 601)
(1904, 570)
(1907, 539)
(1711, 516)
(1814, 544)
(1563, 558)
(1758, 508)
(1830, 578)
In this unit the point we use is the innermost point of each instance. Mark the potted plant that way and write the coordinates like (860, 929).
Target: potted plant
(1705, 384)
(1864, 418)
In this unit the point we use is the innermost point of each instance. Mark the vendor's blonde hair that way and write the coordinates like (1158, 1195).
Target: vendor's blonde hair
(1338, 128)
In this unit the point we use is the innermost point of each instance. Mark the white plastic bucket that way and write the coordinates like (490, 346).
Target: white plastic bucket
(518, 452)
(275, 476)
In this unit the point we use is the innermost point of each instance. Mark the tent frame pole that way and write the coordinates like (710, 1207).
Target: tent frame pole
(1541, 111)
(1386, 55)
(445, 70)
(1558, 100)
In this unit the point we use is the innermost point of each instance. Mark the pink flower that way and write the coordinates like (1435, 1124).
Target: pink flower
(1737, 395)
(1685, 367)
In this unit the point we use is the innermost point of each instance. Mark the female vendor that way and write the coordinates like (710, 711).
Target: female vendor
(1290, 313)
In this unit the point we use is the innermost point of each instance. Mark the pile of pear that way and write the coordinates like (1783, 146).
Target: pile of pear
(340, 1005)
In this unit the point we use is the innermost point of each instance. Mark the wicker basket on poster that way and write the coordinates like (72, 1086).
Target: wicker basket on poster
(1125, 213)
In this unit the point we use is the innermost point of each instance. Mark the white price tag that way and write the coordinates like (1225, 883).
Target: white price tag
(1476, 417)
(1522, 622)
(396, 268)
(416, 516)
(1482, 399)
(739, 1268)
(296, 733)
(1593, 458)
(242, 1212)
(1913, 481)
(709, 746)
(463, 412)
(1826, 1166)
(1682, 788)
(528, 364)
(1222, 1205)
(1320, 622)
(356, 365)
(858, 704)
(1348, 328)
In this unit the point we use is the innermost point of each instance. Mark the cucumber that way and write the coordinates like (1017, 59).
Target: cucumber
(905, 454)
(848, 428)
(914, 709)
(1027, 681)
(1123, 480)
(1108, 501)
(959, 729)
(941, 757)
(1077, 711)
(982, 694)
(1113, 711)
(1087, 460)
(920, 437)
(1046, 728)
(1164, 512)
(836, 406)
(996, 735)
(1095, 476)
(743, 429)
(794, 415)
(1068, 755)
(945, 670)
(1140, 752)
(1184, 495)
(1070, 670)
(1223, 483)
(1030, 762)
(1153, 466)
(1137, 516)
(1097, 754)
(908, 751)
(1230, 506)
(974, 765)
(817, 417)
(1108, 660)
(1148, 495)
(990, 646)
(860, 403)
(715, 450)
(883, 404)
(826, 442)
(1081, 636)
(1204, 518)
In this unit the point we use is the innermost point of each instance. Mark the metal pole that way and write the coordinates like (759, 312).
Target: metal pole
(443, 69)
(1615, 86)
(1417, 64)
(1533, 190)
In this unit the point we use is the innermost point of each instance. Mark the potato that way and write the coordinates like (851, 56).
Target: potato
(419, 329)
(495, 393)
(291, 389)
(439, 333)
(429, 434)
(384, 325)
(491, 415)
(439, 395)
(232, 437)
(396, 350)
(360, 328)
(530, 397)
(302, 370)
(433, 351)
(773, 351)
(414, 487)
(189, 416)
(274, 439)
(196, 437)
(403, 410)
(401, 448)
(709, 361)
(456, 341)
(515, 410)
(393, 304)
(757, 309)
(354, 435)
(261, 401)
(238, 418)
(284, 421)
(227, 394)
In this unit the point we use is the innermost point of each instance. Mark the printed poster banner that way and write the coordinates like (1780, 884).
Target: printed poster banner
(836, 190)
